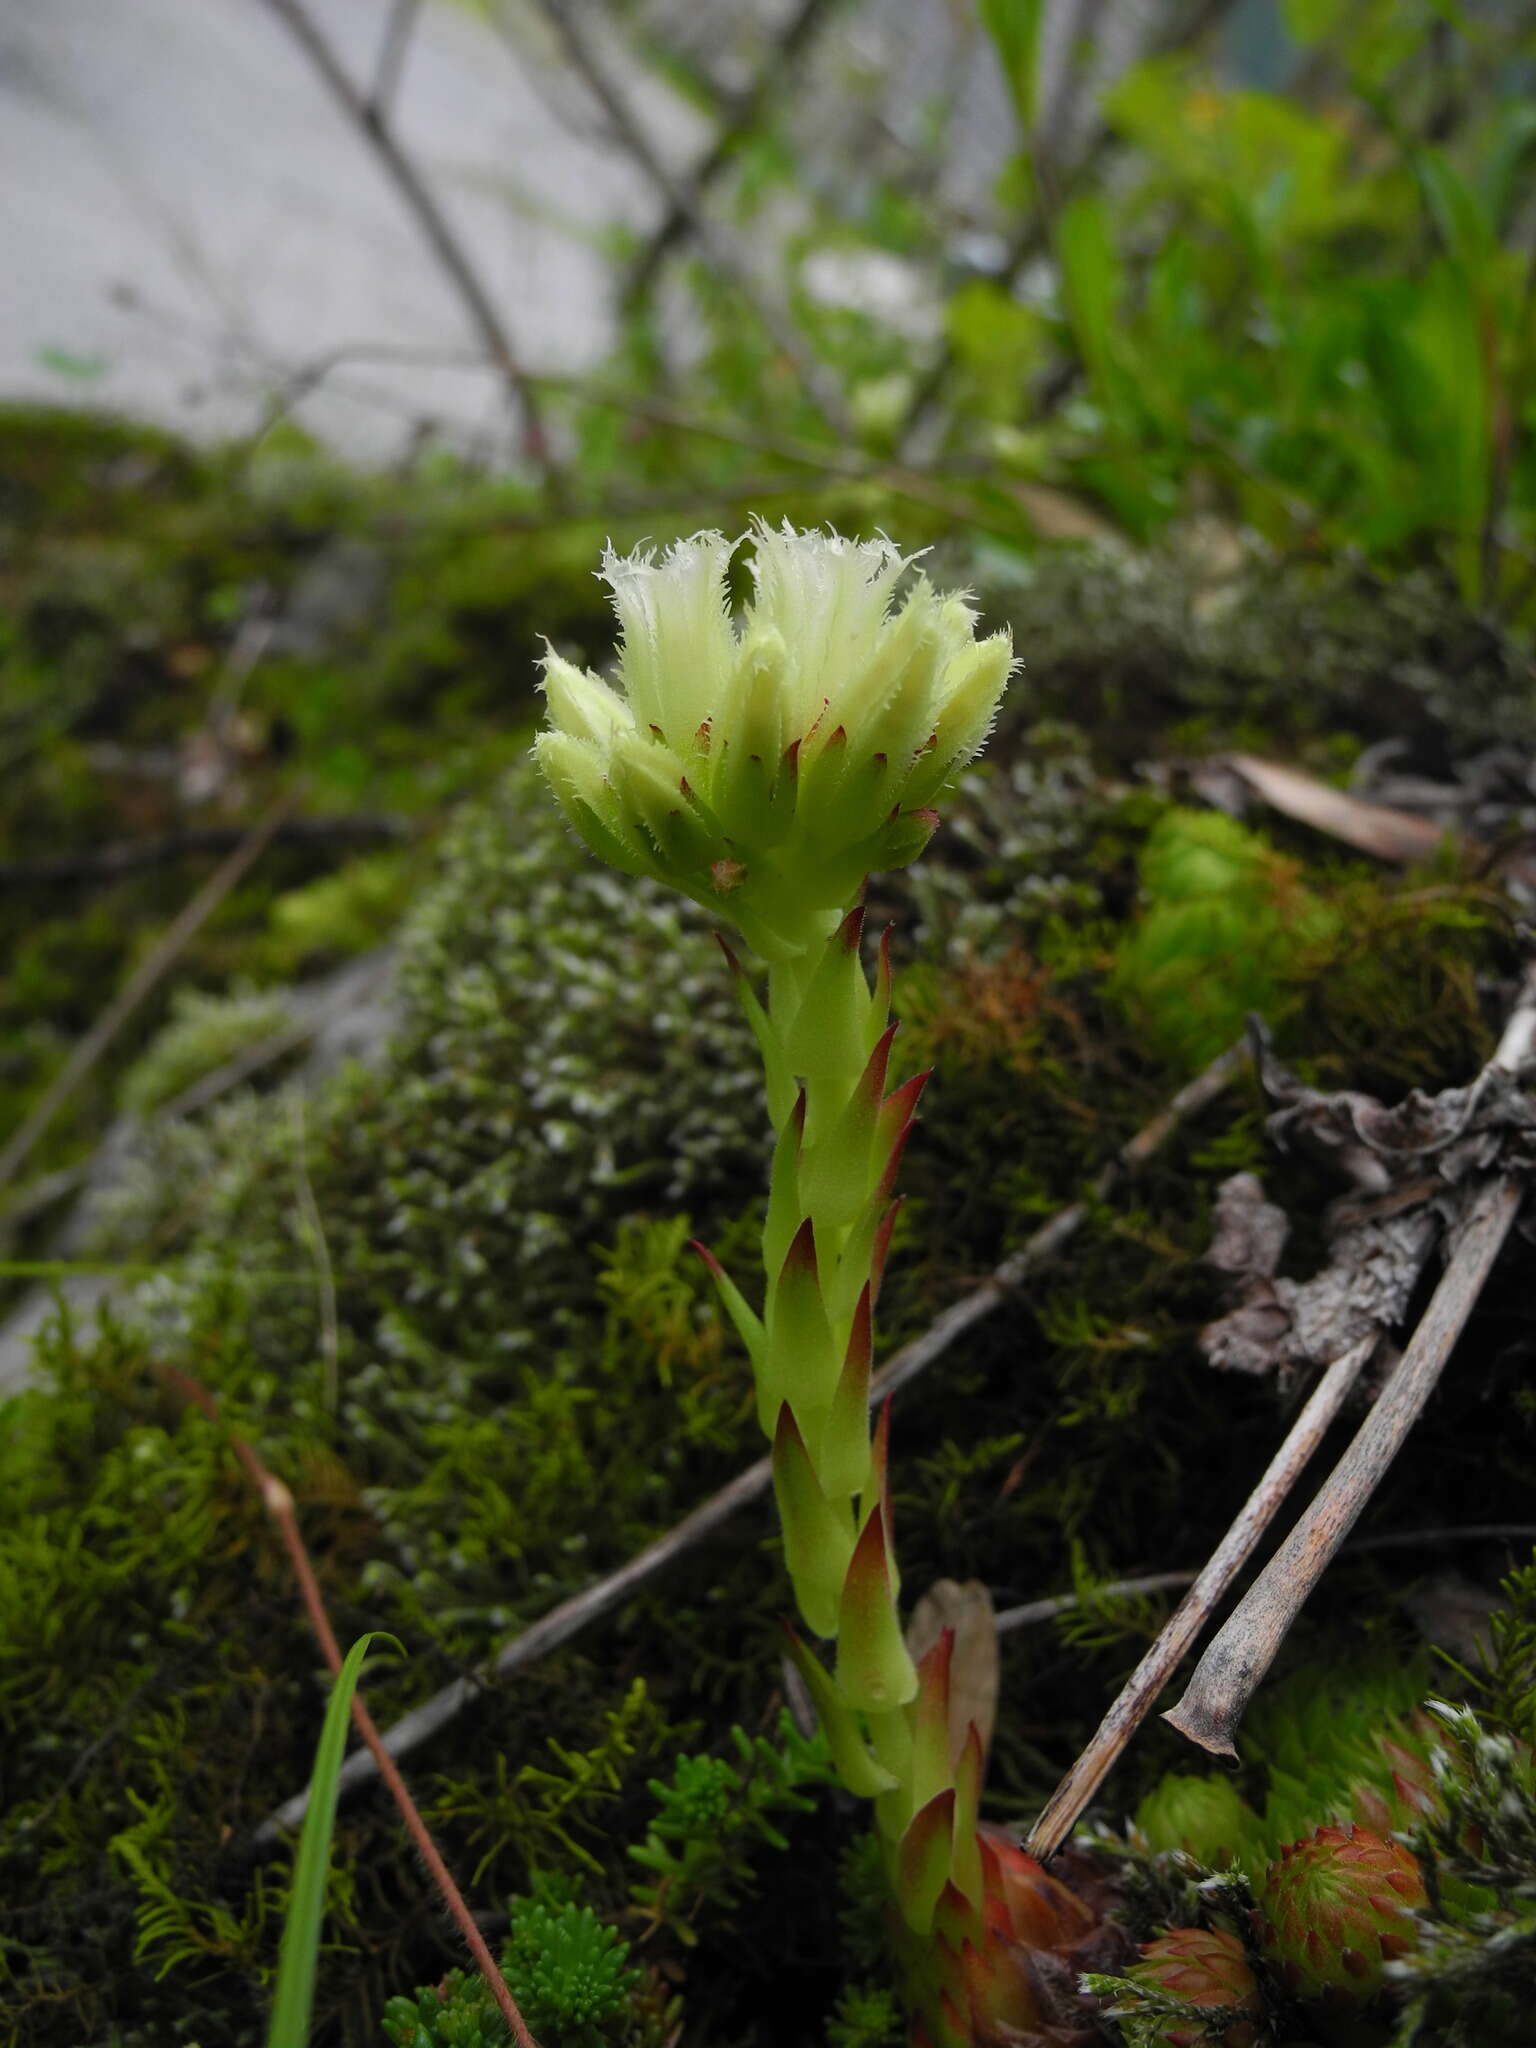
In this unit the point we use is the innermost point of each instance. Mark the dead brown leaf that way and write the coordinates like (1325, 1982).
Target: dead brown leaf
(1371, 828)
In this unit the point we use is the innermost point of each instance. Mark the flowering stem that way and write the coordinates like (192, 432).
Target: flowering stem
(840, 1128)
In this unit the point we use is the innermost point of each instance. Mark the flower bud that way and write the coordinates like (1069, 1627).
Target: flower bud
(766, 771)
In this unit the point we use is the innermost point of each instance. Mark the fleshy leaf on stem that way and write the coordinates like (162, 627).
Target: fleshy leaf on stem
(776, 1071)
(836, 1180)
(923, 1859)
(855, 1763)
(826, 1034)
(897, 1116)
(818, 1535)
(969, 1772)
(801, 1346)
(845, 1451)
(932, 1768)
(873, 1668)
(749, 1326)
(786, 1211)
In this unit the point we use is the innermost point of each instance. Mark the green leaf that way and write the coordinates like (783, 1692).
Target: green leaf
(306, 1905)
(1458, 214)
(64, 362)
(1092, 283)
(1308, 21)
(1014, 26)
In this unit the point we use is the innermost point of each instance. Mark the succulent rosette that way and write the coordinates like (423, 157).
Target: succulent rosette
(1205, 1816)
(1206, 1967)
(1335, 1909)
(766, 768)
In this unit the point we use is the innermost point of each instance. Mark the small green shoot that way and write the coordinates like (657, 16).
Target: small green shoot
(306, 1907)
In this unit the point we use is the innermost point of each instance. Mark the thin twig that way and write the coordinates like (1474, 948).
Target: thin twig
(820, 388)
(578, 1613)
(1243, 1649)
(1033, 1611)
(392, 51)
(794, 40)
(330, 1339)
(146, 976)
(208, 1088)
(278, 1502)
(133, 856)
(1141, 1689)
(372, 122)
(1246, 1645)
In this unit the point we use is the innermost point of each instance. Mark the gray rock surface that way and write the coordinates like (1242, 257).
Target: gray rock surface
(186, 151)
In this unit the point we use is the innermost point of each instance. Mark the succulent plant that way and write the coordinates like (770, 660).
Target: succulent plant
(1334, 1909)
(1206, 1967)
(1205, 1816)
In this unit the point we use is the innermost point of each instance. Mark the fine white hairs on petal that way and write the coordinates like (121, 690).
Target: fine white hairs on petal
(677, 641)
(830, 598)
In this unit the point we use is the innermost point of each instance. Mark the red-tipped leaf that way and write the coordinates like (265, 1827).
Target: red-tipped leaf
(845, 1453)
(882, 1247)
(931, 1770)
(852, 1758)
(802, 1351)
(922, 1861)
(818, 1536)
(874, 1670)
(749, 1326)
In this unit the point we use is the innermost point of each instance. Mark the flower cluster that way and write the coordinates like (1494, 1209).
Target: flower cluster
(766, 769)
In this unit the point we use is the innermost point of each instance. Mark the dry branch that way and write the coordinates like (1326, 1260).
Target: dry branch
(133, 856)
(578, 1613)
(145, 977)
(794, 40)
(1140, 1692)
(370, 117)
(1031, 1612)
(1243, 1650)
(819, 386)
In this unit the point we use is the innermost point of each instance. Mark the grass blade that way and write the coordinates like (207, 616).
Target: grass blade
(306, 1905)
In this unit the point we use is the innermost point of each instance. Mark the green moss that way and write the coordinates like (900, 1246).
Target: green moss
(1225, 931)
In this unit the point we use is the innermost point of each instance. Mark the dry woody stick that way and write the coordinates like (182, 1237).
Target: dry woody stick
(1241, 1653)
(145, 978)
(1140, 1692)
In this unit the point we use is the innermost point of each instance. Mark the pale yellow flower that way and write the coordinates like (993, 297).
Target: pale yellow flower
(766, 768)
